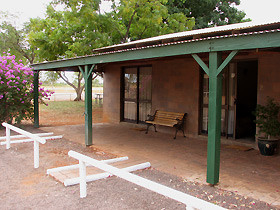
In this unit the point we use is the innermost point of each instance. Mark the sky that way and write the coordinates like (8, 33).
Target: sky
(257, 10)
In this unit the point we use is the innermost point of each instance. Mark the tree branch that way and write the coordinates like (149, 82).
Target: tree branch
(66, 80)
(129, 24)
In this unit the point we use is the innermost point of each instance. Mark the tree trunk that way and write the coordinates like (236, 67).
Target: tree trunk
(79, 92)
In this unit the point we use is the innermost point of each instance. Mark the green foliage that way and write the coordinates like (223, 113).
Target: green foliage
(267, 118)
(50, 78)
(75, 31)
(15, 40)
(138, 19)
(16, 91)
(209, 13)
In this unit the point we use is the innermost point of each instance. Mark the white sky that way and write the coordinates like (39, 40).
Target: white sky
(257, 10)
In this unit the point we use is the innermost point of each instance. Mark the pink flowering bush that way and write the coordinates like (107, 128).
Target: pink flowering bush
(16, 91)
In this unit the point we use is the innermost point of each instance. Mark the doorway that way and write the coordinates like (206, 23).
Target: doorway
(239, 99)
(247, 79)
(136, 94)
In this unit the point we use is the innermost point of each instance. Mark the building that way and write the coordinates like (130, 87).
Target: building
(216, 75)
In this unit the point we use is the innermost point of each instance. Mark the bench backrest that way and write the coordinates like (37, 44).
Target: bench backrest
(171, 117)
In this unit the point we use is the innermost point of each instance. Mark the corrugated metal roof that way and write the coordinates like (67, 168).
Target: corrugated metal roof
(187, 41)
(208, 34)
(185, 34)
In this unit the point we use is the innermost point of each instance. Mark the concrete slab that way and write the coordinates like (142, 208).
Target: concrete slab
(243, 171)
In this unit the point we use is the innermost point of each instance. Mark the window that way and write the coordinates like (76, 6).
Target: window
(137, 93)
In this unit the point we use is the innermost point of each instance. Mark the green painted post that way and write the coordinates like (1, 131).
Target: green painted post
(36, 99)
(214, 125)
(88, 106)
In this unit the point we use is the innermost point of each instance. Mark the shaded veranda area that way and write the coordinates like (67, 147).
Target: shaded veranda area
(243, 170)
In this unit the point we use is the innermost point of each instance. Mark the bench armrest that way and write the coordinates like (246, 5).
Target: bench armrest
(180, 121)
(150, 117)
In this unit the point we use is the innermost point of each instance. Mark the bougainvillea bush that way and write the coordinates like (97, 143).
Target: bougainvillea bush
(16, 90)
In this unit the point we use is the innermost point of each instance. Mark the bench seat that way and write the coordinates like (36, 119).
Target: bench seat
(169, 119)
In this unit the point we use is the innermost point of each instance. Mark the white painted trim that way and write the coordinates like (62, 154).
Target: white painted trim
(30, 140)
(8, 138)
(65, 168)
(23, 136)
(94, 177)
(33, 137)
(188, 200)
(23, 132)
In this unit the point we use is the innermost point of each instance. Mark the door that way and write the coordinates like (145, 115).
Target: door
(228, 102)
(130, 94)
(231, 100)
(137, 94)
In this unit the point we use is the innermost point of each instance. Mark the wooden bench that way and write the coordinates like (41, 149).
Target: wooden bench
(170, 119)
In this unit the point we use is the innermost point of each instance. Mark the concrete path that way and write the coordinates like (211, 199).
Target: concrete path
(243, 171)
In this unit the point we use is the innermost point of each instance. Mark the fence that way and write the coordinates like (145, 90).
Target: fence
(191, 202)
(32, 137)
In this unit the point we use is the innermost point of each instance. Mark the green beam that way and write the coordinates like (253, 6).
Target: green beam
(88, 104)
(226, 61)
(265, 40)
(201, 63)
(36, 99)
(81, 70)
(214, 125)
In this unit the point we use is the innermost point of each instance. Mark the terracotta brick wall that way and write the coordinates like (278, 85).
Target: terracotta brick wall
(111, 94)
(175, 89)
(269, 78)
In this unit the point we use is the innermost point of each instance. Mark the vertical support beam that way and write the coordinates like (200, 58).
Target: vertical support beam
(214, 125)
(88, 106)
(36, 99)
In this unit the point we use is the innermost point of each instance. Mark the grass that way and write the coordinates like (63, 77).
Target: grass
(67, 106)
(67, 113)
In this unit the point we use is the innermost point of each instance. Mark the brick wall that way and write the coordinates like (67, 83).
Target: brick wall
(269, 78)
(111, 94)
(176, 86)
(175, 89)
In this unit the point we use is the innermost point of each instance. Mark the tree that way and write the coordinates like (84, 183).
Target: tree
(208, 13)
(138, 19)
(16, 90)
(80, 28)
(15, 40)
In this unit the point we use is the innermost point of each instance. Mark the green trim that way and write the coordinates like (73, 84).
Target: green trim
(214, 115)
(36, 99)
(88, 106)
(265, 40)
(91, 69)
(201, 63)
(81, 70)
(226, 61)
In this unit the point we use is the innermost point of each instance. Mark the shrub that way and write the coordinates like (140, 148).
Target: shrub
(16, 91)
(267, 118)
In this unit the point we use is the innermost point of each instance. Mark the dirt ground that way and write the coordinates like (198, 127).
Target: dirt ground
(23, 187)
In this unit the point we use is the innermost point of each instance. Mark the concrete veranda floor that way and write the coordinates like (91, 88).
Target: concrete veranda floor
(245, 172)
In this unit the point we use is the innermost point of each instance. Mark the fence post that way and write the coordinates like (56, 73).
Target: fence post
(83, 182)
(8, 138)
(36, 154)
